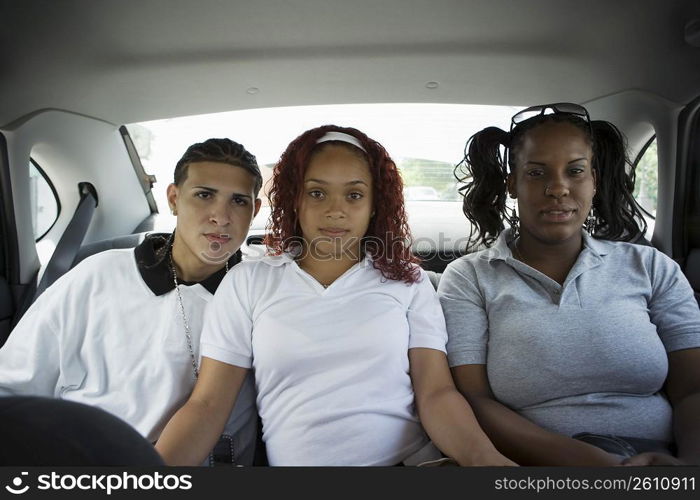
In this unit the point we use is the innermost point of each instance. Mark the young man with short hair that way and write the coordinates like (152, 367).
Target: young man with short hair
(121, 330)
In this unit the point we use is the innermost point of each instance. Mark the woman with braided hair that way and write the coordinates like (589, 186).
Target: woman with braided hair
(573, 345)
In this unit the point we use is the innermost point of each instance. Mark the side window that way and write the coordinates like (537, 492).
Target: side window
(646, 185)
(428, 180)
(44, 201)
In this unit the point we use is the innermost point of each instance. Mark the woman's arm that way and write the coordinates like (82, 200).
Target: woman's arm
(515, 436)
(192, 432)
(445, 415)
(683, 390)
(674, 311)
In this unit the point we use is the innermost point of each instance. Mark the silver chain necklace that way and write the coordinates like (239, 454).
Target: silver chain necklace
(188, 332)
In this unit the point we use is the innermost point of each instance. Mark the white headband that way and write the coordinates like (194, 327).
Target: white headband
(342, 137)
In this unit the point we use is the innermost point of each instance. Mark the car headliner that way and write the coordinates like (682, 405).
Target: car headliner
(129, 61)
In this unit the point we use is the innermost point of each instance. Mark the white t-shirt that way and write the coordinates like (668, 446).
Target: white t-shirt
(331, 365)
(100, 336)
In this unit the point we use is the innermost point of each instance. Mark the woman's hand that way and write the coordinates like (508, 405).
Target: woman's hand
(446, 415)
(652, 458)
(493, 458)
(192, 432)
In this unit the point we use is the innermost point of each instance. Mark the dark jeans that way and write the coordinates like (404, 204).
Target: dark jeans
(43, 431)
(624, 446)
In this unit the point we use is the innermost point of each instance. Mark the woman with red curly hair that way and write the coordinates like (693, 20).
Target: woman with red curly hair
(343, 329)
(386, 238)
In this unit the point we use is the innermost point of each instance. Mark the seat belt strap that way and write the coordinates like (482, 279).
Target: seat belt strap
(69, 244)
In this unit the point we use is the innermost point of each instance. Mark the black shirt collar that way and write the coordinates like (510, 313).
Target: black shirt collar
(153, 265)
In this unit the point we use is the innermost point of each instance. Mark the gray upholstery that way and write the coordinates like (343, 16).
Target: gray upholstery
(434, 278)
(128, 241)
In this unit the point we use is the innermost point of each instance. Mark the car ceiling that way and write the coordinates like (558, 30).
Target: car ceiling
(129, 61)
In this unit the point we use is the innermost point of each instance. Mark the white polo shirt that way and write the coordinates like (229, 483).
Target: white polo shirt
(331, 365)
(109, 334)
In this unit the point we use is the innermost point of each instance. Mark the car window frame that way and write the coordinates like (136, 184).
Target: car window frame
(639, 157)
(36, 165)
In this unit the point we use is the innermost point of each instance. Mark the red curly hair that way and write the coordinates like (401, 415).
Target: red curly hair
(388, 236)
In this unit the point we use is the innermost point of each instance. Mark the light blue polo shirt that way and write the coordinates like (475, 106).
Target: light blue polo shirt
(585, 356)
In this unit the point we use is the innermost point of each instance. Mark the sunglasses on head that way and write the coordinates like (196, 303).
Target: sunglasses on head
(567, 108)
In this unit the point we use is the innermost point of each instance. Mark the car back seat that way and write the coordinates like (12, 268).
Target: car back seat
(128, 241)
(434, 278)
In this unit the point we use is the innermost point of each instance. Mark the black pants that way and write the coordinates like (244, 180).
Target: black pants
(43, 431)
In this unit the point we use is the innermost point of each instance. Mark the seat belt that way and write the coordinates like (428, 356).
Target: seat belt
(69, 244)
